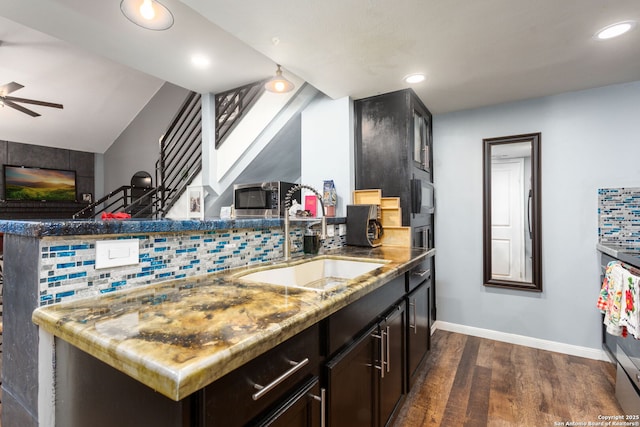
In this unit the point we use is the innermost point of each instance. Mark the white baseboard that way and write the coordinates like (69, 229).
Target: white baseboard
(573, 350)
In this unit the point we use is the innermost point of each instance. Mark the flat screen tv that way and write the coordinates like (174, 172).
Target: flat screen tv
(39, 184)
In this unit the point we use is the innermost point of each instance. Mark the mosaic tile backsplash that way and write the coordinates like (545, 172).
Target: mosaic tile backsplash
(619, 216)
(67, 265)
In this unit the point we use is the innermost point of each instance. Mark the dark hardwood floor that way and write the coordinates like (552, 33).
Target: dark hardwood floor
(474, 382)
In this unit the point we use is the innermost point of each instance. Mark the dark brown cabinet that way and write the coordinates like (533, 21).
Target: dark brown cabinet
(350, 383)
(394, 152)
(393, 145)
(392, 373)
(366, 381)
(418, 329)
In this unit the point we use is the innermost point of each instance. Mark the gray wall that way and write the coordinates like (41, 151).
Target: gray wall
(18, 154)
(137, 148)
(20, 335)
(589, 141)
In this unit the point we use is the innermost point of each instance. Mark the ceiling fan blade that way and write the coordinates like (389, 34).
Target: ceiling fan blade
(33, 101)
(18, 107)
(9, 87)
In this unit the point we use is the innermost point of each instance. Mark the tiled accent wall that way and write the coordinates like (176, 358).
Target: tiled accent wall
(619, 216)
(67, 265)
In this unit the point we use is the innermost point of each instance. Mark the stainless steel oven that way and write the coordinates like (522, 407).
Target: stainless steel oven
(625, 351)
(628, 375)
(264, 199)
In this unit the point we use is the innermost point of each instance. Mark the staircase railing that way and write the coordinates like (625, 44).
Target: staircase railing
(232, 105)
(147, 205)
(180, 153)
(122, 200)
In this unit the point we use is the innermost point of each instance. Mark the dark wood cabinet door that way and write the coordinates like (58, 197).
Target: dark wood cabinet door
(303, 409)
(418, 331)
(392, 330)
(350, 381)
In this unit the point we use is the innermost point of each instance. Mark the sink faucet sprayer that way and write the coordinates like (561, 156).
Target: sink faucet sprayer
(287, 205)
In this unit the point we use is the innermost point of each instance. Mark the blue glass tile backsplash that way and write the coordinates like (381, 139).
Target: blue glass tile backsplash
(619, 216)
(67, 264)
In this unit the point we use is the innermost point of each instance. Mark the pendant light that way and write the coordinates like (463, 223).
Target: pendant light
(278, 83)
(149, 14)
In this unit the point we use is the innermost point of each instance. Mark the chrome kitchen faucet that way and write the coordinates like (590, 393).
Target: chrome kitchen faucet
(287, 205)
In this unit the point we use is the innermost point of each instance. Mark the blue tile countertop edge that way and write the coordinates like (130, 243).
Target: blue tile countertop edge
(43, 228)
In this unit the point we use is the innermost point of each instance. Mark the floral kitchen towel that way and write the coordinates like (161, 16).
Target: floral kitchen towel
(610, 301)
(629, 317)
(619, 301)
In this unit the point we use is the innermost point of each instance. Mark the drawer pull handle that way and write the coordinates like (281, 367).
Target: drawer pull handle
(273, 384)
(420, 273)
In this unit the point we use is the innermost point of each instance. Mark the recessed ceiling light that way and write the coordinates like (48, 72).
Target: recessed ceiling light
(200, 61)
(414, 78)
(614, 30)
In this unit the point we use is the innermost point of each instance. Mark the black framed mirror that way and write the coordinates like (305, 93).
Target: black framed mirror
(511, 212)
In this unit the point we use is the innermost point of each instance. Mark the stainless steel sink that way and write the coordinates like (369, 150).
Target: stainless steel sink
(315, 274)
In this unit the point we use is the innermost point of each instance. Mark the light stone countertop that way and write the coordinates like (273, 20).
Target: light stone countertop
(179, 336)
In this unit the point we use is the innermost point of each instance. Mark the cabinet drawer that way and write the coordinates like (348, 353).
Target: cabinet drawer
(234, 399)
(419, 274)
(344, 325)
(305, 408)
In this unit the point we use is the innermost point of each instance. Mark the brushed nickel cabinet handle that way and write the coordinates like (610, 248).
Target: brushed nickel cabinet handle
(267, 388)
(382, 353)
(412, 305)
(388, 361)
(420, 273)
(322, 399)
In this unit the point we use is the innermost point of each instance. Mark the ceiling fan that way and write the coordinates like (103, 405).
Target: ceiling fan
(12, 101)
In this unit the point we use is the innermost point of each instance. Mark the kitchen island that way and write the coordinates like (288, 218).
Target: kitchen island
(178, 337)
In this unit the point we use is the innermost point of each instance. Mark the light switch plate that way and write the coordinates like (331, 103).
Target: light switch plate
(116, 253)
(342, 229)
(331, 230)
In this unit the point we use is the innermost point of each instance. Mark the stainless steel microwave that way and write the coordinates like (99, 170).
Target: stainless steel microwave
(422, 196)
(264, 199)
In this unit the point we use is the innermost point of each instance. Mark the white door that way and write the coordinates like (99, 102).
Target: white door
(507, 219)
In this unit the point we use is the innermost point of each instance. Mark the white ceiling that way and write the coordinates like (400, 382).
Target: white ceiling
(474, 53)
(100, 97)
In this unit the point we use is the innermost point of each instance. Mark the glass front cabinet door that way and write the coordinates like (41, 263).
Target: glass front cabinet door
(421, 141)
